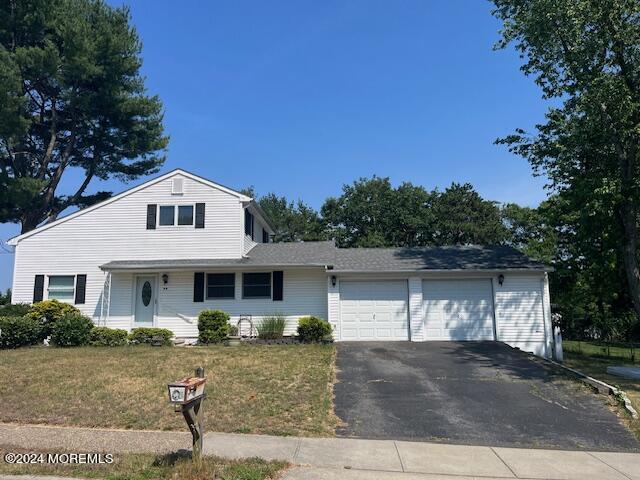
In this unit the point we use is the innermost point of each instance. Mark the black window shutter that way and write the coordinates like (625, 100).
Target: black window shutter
(278, 277)
(151, 216)
(265, 236)
(81, 289)
(199, 215)
(198, 287)
(38, 288)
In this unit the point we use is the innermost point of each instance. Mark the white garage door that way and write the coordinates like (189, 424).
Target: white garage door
(374, 310)
(457, 309)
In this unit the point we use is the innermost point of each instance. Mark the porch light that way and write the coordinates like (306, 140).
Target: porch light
(165, 278)
(333, 280)
(501, 279)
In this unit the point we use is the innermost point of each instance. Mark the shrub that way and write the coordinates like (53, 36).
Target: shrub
(144, 335)
(313, 329)
(19, 331)
(108, 337)
(14, 309)
(272, 327)
(233, 330)
(213, 326)
(71, 330)
(50, 311)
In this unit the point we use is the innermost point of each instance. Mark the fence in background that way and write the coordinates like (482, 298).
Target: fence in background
(623, 351)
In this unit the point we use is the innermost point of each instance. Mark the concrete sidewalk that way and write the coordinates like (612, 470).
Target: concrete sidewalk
(351, 459)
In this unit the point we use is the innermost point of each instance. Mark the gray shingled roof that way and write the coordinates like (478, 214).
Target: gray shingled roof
(323, 254)
(295, 254)
(432, 258)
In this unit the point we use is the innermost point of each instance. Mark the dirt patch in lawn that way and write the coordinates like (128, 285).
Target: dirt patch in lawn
(597, 367)
(269, 389)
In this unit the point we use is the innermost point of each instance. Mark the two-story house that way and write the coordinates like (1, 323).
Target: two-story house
(159, 253)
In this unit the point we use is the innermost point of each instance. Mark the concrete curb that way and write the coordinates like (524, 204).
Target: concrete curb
(602, 387)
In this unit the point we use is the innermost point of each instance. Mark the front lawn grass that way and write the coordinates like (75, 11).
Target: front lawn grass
(145, 467)
(596, 367)
(268, 389)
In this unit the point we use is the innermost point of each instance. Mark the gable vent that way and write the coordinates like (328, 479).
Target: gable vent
(177, 187)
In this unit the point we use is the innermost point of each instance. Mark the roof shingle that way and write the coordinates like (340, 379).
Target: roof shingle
(321, 254)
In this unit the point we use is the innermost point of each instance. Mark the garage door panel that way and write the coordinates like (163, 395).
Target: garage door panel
(374, 310)
(458, 309)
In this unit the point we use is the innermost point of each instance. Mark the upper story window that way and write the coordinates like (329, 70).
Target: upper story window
(175, 215)
(265, 236)
(172, 215)
(248, 223)
(61, 287)
(185, 215)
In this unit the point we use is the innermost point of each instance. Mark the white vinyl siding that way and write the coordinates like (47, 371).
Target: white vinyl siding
(374, 310)
(305, 293)
(117, 231)
(520, 313)
(458, 309)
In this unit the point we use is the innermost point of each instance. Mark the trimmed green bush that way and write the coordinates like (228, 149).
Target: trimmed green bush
(108, 337)
(14, 309)
(313, 329)
(272, 327)
(19, 331)
(71, 330)
(213, 326)
(144, 335)
(48, 312)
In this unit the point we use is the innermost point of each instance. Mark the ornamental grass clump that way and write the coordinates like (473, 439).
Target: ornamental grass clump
(272, 327)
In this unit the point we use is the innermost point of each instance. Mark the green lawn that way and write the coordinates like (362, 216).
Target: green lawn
(146, 467)
(598, 349)
(597, 368)
(269, 389)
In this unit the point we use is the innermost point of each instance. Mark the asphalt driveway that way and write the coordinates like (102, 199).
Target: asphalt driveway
(481, 393)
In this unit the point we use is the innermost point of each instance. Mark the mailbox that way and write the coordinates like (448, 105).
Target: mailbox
(187, 396)
(186, 390)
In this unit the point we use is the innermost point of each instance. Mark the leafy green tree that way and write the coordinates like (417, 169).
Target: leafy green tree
(462, 217)
(371, 213)
(5, 298)
(530, 231)
(293, 222)
(584, 55)
(71, 98)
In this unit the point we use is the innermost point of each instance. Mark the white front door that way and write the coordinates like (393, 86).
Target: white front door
(145, 300)
(458, 309)
(374, 310)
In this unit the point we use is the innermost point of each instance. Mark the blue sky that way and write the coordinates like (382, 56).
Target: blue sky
(299, 97)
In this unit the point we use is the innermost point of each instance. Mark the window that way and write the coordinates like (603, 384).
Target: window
(256, 285)
(248, 223)
(185, 215)
(265, 236)
(221, 285)
(171, 215)
(61, 287)
(167, 215)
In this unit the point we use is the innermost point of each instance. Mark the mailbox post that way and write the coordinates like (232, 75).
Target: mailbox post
(187, 396)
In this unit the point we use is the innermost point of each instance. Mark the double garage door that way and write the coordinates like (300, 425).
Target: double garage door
(451, 310)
